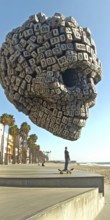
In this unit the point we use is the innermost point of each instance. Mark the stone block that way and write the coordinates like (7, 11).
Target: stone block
(62, 38)
(28, 87)
(39, 39)
(41, 49)
(42, 17)
(69, 37)
(76, 35)
(80, 47)
(21, 92)
(58, 121)
(37, 27)
(54, 40)
(22, 74)
(62, 61)
(43, 63)
(28, 70)
(72, 20)
(18, 81)
(55, 67)
(50, 61)
(48, 53)
(57, 51)
(38, 70)
(28, 78)
(16, 96)
(26, 54)
(44, 29)
(27, 33)
(47, 36)
(80, 56)
(32, 61)
(70, 46)
(46, 45)
(34, 54)
(55, 32)
(40, 56)
(23, 84)
(34, 18)
(31, 46)
(64, 47)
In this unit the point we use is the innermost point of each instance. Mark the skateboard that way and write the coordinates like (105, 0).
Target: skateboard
(67, 172)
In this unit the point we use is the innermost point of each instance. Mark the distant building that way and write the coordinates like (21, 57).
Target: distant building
(10, 144)
(1, 133)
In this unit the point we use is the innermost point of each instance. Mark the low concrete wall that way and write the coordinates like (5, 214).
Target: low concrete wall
(78, 182)
(83, 207)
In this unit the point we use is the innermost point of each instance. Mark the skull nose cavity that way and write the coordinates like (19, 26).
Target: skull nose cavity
(70, 77)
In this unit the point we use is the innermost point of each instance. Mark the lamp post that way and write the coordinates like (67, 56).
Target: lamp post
(47, 153)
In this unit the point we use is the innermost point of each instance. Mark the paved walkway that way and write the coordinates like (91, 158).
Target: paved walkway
(33, 170)
(21, 203)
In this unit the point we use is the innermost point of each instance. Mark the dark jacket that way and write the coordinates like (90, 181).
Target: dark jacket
(67, 157)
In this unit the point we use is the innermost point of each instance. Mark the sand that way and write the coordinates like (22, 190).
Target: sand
(103, 170)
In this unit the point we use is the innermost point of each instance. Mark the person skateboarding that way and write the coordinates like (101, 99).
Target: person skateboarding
(67, 158)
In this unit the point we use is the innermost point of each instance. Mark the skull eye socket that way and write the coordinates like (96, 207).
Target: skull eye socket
(70, 77)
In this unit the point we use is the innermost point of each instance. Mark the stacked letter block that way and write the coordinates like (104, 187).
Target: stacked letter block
(49, 70)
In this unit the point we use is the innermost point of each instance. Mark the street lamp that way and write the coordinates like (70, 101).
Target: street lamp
(47, 153)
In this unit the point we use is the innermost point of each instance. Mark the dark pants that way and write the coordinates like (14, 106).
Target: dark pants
(66, 164)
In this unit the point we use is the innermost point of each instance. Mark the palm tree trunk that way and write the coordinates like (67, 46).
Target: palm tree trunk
(18, 160)
(7, 157)
(22, 151)
(1, 155)
(13, 162)
(29, 155)
(18, 145)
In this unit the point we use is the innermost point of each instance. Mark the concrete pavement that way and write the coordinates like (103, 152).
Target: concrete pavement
(22, 203)
(33, 170)
(17, 203)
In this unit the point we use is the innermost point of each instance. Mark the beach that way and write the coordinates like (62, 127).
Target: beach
(102, 170)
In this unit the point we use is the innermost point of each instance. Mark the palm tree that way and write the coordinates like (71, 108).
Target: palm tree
(4, 120)
(41, 157)
(31, 141)
(10, 123)
(35, 150)
(18, 146)
(24, 130)
(14, 131)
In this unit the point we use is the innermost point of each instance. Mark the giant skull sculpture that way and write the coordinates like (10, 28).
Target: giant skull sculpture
(48, 69)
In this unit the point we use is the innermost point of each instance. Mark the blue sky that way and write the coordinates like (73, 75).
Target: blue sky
(94, 143)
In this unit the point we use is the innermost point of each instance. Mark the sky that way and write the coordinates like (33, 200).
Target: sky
(94, 142)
